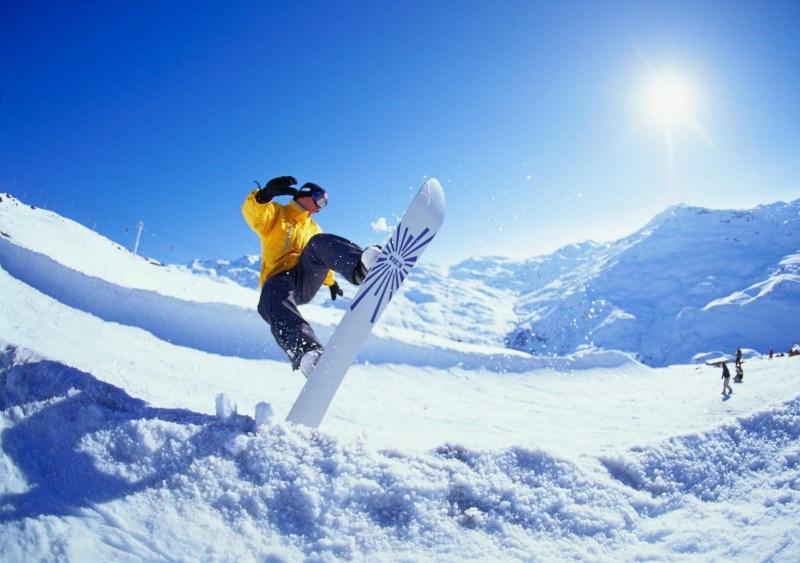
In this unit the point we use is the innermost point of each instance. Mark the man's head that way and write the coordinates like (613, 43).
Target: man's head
(311, 197)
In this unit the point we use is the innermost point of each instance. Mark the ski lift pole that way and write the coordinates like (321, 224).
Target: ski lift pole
(139, 227)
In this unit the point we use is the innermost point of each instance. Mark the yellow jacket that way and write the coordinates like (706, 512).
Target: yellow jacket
(284, 230)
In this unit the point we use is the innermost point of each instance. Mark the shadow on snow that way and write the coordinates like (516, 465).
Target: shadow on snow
(54, 408)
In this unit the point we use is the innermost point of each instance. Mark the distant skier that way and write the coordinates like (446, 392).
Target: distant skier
(739, 355)
(739, 374)
(726, 379)
(297, 259)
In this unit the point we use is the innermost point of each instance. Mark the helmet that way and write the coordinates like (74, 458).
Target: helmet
(319, 195)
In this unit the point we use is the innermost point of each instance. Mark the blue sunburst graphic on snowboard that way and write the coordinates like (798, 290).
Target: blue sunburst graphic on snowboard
(392, 267)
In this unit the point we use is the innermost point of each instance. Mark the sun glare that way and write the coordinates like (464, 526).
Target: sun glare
(669, 98)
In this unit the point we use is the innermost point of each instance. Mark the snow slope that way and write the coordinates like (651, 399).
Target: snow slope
(120, 442)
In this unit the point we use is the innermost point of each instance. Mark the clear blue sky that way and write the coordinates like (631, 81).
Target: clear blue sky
(528, 112)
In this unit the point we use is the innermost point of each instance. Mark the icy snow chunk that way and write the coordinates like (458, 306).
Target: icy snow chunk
(226, 407)
(263, 414)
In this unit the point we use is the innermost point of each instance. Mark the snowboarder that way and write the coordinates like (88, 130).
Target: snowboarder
(297, 259)
(726, 378)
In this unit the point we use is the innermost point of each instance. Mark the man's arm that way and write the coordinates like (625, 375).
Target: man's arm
(282, 185)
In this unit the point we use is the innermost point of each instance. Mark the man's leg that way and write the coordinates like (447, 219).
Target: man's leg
(278, 307)
(283, 292)
(322, 253)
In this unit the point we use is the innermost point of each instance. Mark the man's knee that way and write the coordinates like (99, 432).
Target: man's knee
(317, 243)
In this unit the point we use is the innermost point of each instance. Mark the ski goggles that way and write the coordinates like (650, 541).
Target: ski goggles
(316, 193)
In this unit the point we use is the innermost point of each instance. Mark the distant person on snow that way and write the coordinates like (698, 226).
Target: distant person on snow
(739, 356)
(739, 374)
(297, 259)
(726, 379)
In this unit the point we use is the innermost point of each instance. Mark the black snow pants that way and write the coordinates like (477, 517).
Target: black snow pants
(283, 292)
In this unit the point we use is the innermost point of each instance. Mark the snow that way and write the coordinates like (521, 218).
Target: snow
(142, 412)
(691, 279)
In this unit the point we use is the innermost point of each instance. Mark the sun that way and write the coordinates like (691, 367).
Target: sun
(669, 98)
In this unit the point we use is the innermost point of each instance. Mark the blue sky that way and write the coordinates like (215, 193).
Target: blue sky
(529, 113)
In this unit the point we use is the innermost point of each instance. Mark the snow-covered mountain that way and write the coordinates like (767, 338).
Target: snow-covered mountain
(128, 391)
(691, 282)
(243, 271)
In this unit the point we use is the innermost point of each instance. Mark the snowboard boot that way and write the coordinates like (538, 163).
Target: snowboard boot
(308, 361)
(368, 258)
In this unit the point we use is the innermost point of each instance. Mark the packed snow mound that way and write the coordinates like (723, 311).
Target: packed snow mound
(722, 463)
(76, 248)
(74, 445)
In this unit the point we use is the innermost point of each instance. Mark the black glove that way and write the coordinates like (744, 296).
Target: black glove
(282, 185)
(335, 290)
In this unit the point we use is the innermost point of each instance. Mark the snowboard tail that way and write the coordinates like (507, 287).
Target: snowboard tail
(399, 255)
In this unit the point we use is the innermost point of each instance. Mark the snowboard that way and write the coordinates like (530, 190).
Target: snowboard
(398, 257)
